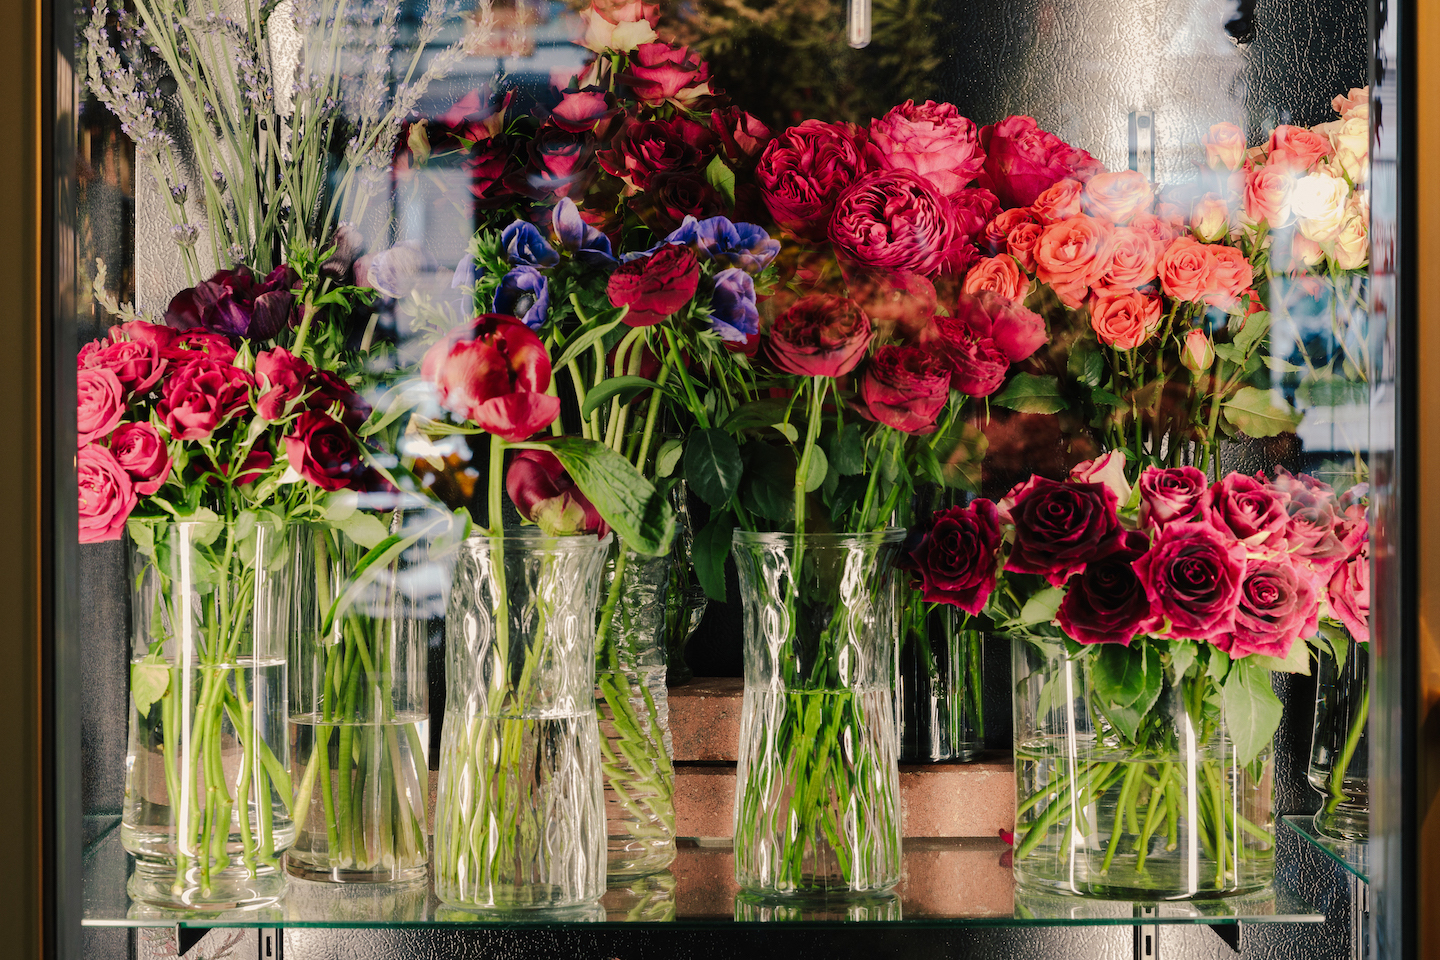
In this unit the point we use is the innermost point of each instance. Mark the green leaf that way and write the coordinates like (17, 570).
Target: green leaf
(815, 474)
(1118, 674)
(713, 466)
(639, 514)
(1258, 414)
(1086, 364)
(149, 679)
(363, 528)
(1218, 666)
(1252, 711)
(1104, 398)
(1248, 336)
(845, 450)
(396, 404)
(1182, 655)
(710, 548)
(722, 178)
(787, 430)
(1041, 607)
(627, 388)
(668, 456)
(1230, 352)
(1296, 661)
(767, 486)
(1339, 640)
(1332, 392)
(755, 415)
(587, 338)
(1027, 393)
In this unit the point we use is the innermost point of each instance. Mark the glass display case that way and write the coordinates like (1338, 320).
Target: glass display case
(1005, 413)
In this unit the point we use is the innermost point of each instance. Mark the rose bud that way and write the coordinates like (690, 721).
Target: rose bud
(107, 496)
(1021, 160)
(906, 387)
(820, 336)
(1059, 526)
(202, 396)
(323, 451)
(99, 404)
(931, 140)
(655, 286)
(1170, 495)
(1225, 147)
(281, 377)
(1107, 603)
(1192, 575)
(1210, 218)
(1109, 470)
(546, 496)
(1198, 353)
(142, 454)
(956, 557)
(494, 372)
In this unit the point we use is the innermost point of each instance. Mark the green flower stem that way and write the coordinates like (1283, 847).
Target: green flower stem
(1347, 754)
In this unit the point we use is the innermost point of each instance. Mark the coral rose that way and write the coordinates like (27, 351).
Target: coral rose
(1296, 149)
(1187, 269)
(1000, 275)
(1225, 147)
(1267, 196)
(1124, 318)
(1072, 256)
(1059, 201)
(997, 231)
(1134, 255)
(1117, 196)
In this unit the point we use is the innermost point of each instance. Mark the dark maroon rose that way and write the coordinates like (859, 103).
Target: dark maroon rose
(642, 149)
(489, 170)
(1021, 160)
(1278, 605)
(906, 387)
(280, 377)
(202, 396)
(956, 557)
(141, 453)
(547, 496)
(1192, 575)
(742, 137)
(1107, 603)
(1170, 495)
(896, 221)
(1059, 527)
(977, 365)
(804, 170)
(559, 164)
(820, 336)
(1247, 509)
(328, 390)
(323, 451)
(137, 364)
(655, 286)
(674, 196)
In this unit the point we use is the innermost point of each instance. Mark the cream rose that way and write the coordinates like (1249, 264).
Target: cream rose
(1351, 249)
(1351, 140)
(1225, 147)
(1210, 218)
(1318, 202)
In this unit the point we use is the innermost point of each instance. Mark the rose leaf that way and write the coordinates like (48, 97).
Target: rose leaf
(149, 679)
(709, 550)
(1040, 608)
(668, 456)
(1258, 413)
(1028, 393)
(1296, 661)
(640, 514)
(1252, 711)
(713, 466)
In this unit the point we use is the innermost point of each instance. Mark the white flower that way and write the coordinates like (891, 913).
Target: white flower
(1351, 249)
(1318, 202)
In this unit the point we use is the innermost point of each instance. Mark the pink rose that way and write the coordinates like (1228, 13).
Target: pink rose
(106, 495)
(1170, 495)
(202, 396)
(895, 220)
(99, 403)
(141, 453)
(1225, 147)
(931, 140)
(1210, 218)
(1017, 332)
(804, 170)
(1118, 196)
(1277, 607)
(1134, 256)
(137, 364)
(1192, 575)
(1124, 318)
(281, 377)
(1232, 276)
(997, 231)
(1315, 532)
(1348, 593)
(999, 275)
(1022, 241)
(1267, 196)
(1021, 160)
(977, 365)
(143, 330)
(1059, 201)
(1109, 470)
(1246, 509)
(973, 209)
(663, 71)
(1072, 256)
(1296, 149)
(193, 344)
(1157, 228)
(1187, 269)
(741, 136)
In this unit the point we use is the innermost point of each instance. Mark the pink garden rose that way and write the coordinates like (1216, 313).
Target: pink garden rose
(1016, 331)
(819, 336)
(804, 170)
(932, 140)
(1170, 495)
(894, 220)
(100, 403)
(106, 495)
(1059, 527)
(1192, 575)
(141, 453)
(1348, 593)
(202, 396)
(1277, 607)
(1021, 160)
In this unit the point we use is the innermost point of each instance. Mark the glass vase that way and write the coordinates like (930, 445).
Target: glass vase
(520, 815)
(359, 704)
(685, 602)
(1171, 816)
(207, 793)
(817, 808)
(940, 684)
(1339, 752)
(634, 714)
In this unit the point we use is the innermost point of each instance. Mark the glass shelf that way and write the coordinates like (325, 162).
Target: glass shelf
(946, 882)
(1354, 857)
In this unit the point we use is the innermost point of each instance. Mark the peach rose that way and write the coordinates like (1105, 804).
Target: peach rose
(1225, 147)
(1267, 196)
(1318, 202)
(1117, 196)
(1348, 105)
(1124, 319)
(997, 231)
(999, 274)
(1351, 249)
(1021, 242)
(1210, 218)
(1185, 269)
(1161, 231)
(1133, 256)
(1350, 139)
(1059, 201)
(1293, 251)
(1073, 255)
(1231, 277)
(1296, 148)
(602, 33)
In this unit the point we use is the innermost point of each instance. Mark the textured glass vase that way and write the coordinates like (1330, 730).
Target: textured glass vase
(520, 816)
(207, 793)
(817, 794)
(359, 700)
(940, 685)
(1340, 751)
(1176, 817)
(685, 602)
(634, 714)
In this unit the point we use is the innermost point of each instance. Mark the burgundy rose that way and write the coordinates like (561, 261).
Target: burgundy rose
(977, 365)
(642, 149)
(1107, 603)
(99, 403)
(973, 210)
(547, 496)
(281, 377)
(804, 170)
(494, 372)
(1059, 527)
(655, 286)
(489, 169)
(1246, 509)
(234, 303)
(906, 387)
(107, 496)
(202, 396)
(1170, 495)
(1192, 575)
(1016, 331)
(323, 451)
(660, 71)
(137, 364)
(820, 336)
(1348, 593)
(193, 344)
(1021, 160)
(742, 137)
(328, 389)
(559, 164)
(141, 453)
(674, 196)
(1277, 607)
(956, 557)
(931, 140)
(895, 220)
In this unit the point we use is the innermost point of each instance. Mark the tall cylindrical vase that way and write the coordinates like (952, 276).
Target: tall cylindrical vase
(359, 705)
(1340, 751)
(942, 663)
(520, 817)
(634, 714)
(1169, 814)
(817, 796)
(207, 793)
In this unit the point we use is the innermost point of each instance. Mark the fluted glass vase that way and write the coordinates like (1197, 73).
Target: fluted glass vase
(634, 714)
(207, 793)
(1340, 750)
(520, 817)
(817, 796)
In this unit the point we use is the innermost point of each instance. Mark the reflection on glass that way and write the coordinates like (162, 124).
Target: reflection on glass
(757, 907)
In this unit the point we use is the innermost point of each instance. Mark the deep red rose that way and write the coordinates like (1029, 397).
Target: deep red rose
(821, 335)
(159, 333)
(1059, 527)
(280, 377)
(1192, 575)
(1018, 332)
(489, 169)
(202, 396)
(977, 365)
(804, 170)
(894, 220)
(655, 286)
(957, 556)
(1170, 495)
(547, 496)
(906, 387)
(99, 404)
(742, 137)
(662, 71)
(329, 389)
(931, 140)
(107, 496)
(674, 196)
(642, 149)
(141, 453)
(559, 164)
(1021, 160)
(323, 451)
(1107, 603)
(1246, 509)
(1277, 606)
(193, 344)
(494, 372)
(137, 364)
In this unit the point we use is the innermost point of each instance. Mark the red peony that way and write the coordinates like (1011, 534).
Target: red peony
(494, 372)
(931, 140)
(895, 220)
(906, 387)
(655, 286)
(820, 336)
